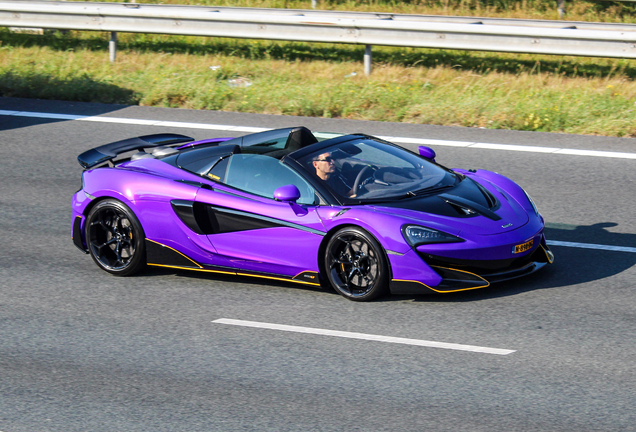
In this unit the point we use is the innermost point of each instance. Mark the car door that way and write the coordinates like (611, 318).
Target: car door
(253, 232)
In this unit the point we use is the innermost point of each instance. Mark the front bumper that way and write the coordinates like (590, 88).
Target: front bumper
(455, 275)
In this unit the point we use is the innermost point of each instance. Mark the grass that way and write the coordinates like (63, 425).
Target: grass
(474, 89)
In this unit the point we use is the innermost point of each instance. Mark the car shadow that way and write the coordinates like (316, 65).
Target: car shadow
(573, 265)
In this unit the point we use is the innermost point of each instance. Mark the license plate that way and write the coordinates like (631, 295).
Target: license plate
(522, 247)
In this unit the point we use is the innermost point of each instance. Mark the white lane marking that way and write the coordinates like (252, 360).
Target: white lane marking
(122, 120)
(173, 124)
(596, 153)
(510, 147)
(591, 246)
(369, 337)
(43, 115)
(195, 125)
(424, 141)
(8, 113)
(403, 140)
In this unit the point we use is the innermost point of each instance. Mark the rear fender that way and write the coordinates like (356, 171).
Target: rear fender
(149, 197)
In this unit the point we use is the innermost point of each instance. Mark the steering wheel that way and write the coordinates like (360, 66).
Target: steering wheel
(361, 175)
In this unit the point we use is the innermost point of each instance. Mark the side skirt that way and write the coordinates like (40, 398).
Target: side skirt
(160, 255)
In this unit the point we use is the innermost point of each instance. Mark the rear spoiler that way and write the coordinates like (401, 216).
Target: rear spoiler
(106, 152)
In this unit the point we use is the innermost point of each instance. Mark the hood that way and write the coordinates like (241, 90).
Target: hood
(469, 206)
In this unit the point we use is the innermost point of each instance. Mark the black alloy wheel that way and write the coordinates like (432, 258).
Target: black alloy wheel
(115, 238)
(355, 265)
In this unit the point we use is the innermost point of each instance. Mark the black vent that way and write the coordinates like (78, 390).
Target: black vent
(493, 203)
(485, 267)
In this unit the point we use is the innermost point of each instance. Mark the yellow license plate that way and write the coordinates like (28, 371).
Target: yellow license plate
(522, 247)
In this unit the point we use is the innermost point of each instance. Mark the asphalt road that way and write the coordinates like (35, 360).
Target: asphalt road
(81, 350)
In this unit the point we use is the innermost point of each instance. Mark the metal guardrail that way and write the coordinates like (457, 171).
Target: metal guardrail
(460, 33)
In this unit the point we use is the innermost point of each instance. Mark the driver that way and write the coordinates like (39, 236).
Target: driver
(326, 171)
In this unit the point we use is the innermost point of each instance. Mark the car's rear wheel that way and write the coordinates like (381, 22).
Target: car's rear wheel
(355, 265)
(115, 238)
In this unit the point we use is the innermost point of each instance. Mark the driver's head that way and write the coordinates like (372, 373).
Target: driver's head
(324, 165)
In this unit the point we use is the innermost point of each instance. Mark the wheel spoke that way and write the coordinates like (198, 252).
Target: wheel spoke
(116, 222)
(334, 261)
(352, 272)
(347, 245)
(118, 251)
(100, 246)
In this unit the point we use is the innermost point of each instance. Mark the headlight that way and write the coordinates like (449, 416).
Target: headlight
(534, 206)
(417, 235)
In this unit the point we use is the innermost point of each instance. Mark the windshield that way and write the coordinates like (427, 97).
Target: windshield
(364, 169)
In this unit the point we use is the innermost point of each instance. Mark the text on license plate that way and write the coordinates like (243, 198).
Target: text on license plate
(522, 247)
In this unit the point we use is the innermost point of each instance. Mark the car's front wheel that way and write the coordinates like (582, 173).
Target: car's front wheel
(355, 264)
(115, 238)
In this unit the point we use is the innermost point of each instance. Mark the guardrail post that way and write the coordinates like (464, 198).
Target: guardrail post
(561, 8)
(112, 46)
(367, 60)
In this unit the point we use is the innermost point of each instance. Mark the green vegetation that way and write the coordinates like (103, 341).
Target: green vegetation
(505, 91)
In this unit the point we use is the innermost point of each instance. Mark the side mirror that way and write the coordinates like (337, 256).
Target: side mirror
(427, 152)
(287, 193)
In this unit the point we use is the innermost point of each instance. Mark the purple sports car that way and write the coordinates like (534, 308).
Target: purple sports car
(351, 211)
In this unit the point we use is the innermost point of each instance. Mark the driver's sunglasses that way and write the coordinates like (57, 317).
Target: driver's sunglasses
(327, 159)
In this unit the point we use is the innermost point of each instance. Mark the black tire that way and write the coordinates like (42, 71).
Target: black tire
(115, 238)
(355, 265)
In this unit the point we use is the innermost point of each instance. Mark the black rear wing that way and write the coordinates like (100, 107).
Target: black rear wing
(106, 152)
